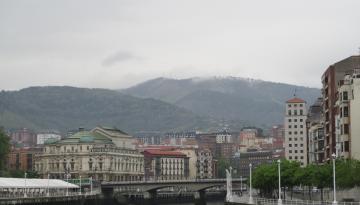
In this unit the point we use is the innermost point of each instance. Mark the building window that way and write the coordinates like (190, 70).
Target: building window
(290, 157)
(346, 111)
(345, 95)
(289, 133)
(295, 126)
(290, 145)
(301, 157)
(289, 120)
(289, 126)
(346, 128)
(296, 157)
(295, 145)
(295, 120)
(290, 138)
(295, 151)
(295, 138)
(301, 112)
(289, 112)
(301, 126)
(290, 151)
(301, 105)
(289, 105)
(295, 112)
(346, 146)
(301, 145)
(301, 151)
(295, 132)
(301, 132)
(301, 120)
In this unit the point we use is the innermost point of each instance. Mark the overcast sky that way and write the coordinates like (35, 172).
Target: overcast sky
(119, 43)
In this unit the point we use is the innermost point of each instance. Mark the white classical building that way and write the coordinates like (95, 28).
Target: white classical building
(295, 131)
(105, 154)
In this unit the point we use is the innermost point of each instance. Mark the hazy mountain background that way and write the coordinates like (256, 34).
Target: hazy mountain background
(66, 108)
(251, 102)
(157, 105)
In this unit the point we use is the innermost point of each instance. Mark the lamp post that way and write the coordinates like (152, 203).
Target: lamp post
(25, 185)
(80, 186)
(67, 185)
(241, 185)
(334, 157)
(251, 200)
(47, 191)
(279, 200)
(91, 185)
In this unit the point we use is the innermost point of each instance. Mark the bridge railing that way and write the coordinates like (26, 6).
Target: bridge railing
(172, 181)
(265, 201)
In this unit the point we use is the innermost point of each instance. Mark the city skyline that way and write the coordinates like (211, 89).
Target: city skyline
(118, 44)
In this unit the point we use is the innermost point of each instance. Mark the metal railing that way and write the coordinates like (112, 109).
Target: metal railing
(266, 201)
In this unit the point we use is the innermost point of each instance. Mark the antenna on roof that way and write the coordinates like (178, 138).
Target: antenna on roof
(295, 93)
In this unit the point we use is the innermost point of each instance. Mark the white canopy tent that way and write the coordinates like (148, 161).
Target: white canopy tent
(35, 183)
(21, 187)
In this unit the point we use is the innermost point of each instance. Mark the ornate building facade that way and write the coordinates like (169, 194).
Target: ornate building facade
(165, 165)
(105, 154)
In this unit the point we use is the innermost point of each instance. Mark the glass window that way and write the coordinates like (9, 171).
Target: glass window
(345, 95)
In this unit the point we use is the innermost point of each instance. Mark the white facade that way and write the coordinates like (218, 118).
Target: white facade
(342, 122)
(295, 131)
(42, 137)
(355, 116)
(223, 138)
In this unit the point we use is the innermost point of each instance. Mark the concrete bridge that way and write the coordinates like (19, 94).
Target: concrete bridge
(150, 188)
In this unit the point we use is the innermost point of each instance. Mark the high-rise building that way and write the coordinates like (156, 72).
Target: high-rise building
(295, 131)
(330, 81)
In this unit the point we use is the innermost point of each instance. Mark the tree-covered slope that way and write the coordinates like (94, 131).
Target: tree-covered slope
(253, 101)
(66, 108)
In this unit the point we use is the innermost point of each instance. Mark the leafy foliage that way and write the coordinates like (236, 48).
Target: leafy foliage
(265, 177)
(4, 148)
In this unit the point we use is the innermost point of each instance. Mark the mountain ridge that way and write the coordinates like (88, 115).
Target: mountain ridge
(233, 98)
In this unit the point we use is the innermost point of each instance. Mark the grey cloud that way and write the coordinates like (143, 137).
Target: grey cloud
(118, 57)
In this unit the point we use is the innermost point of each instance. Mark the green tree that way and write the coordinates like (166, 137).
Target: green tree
(4, 149)
(265, 179)
(222, 165)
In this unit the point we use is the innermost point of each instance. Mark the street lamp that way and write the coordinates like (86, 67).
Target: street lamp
(25, 186)
(47, 193)
(91, 185)
(279, 200)
(67, 185)
(251, 201)
(334, 157)
(80, 186)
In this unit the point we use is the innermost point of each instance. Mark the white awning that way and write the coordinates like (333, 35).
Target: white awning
(35, 183)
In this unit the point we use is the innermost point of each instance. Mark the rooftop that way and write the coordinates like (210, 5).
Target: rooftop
(164, 153)
(295, 100)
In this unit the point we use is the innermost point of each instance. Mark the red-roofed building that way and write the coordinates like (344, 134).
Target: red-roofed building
(165, 165)
(295, 100)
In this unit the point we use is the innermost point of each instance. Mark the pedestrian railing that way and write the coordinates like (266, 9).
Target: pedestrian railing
(266, 201)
